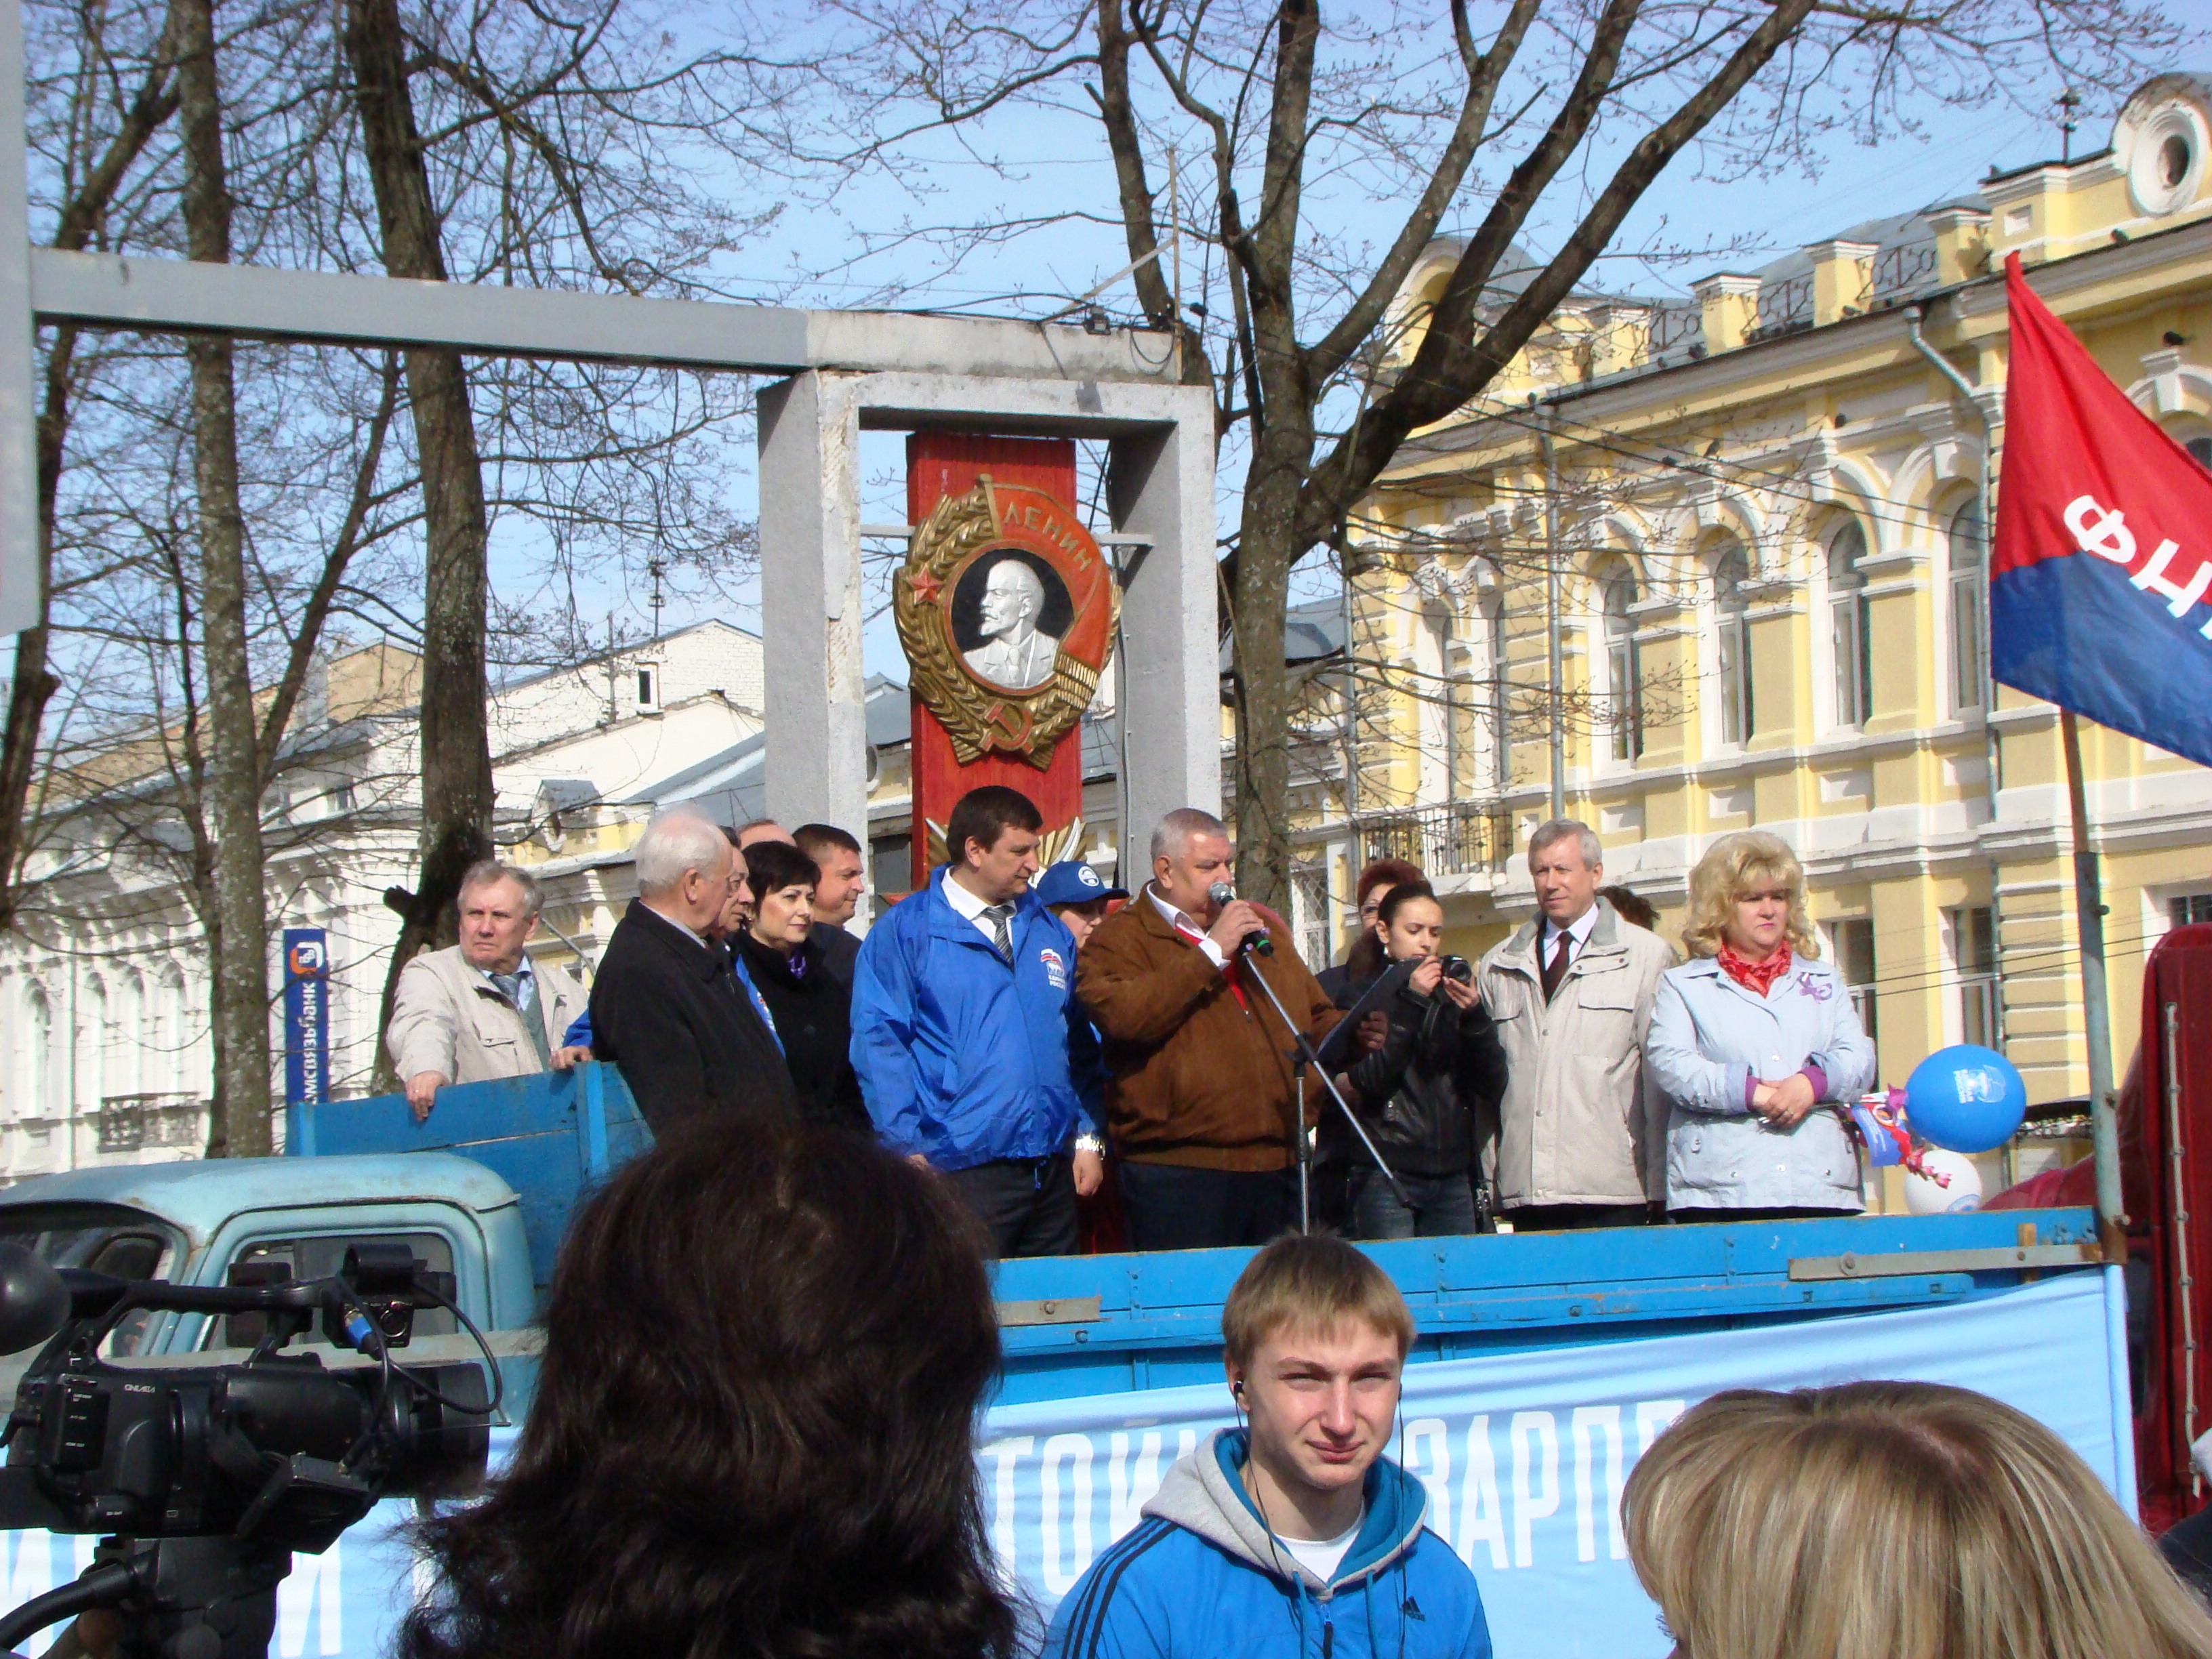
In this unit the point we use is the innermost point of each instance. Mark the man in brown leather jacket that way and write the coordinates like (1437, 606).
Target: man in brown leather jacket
(1199, 1095)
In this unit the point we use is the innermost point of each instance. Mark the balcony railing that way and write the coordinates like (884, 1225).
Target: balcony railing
(1464, 837)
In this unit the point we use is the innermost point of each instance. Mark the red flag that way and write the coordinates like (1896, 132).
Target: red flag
(2100, 584)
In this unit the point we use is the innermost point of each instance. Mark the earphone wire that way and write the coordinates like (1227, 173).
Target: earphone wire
(1260, 1508)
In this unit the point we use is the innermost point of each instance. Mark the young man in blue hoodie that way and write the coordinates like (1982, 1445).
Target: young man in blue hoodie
(1292, 1534)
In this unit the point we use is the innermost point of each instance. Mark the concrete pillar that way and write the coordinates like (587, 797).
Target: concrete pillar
(811, 611)
(1160, 485)
(1842, 279)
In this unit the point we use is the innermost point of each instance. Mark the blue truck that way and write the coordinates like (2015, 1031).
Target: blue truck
(1546, 1363)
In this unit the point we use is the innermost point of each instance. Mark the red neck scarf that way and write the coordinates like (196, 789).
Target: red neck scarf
(1756, 978)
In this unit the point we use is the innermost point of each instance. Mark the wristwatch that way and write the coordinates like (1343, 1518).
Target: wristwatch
(1091, 1144)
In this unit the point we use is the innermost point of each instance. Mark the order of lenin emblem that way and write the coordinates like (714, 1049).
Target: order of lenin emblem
(1006, 611)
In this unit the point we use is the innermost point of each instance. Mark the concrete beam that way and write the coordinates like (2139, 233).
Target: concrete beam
(815, 689)
(163, 295)
(1160, 485)
(19, 461)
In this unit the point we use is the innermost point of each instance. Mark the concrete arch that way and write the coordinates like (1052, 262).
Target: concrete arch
(1925, 476)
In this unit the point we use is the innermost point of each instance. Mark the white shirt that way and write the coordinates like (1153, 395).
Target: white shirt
(966, 903)
(1322, 1556)
(1183, 923)
(1577, 931)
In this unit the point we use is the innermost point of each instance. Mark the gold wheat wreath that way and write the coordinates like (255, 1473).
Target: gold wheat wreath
(976, 716)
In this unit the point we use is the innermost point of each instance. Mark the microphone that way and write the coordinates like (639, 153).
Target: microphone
(1221, 892)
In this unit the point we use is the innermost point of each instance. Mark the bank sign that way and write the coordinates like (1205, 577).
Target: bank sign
(306, 1017)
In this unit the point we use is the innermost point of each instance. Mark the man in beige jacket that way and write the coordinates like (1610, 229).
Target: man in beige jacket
(1582, 1139)
(482, 1009)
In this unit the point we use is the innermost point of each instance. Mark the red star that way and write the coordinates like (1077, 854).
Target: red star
(924, 587)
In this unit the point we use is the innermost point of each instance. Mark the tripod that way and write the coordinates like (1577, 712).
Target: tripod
(1302, 1059)
(177, 1598)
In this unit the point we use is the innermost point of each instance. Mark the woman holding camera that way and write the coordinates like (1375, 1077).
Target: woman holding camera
(1428, 1096)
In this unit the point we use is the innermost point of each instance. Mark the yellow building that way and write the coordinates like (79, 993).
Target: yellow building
(1772, 593)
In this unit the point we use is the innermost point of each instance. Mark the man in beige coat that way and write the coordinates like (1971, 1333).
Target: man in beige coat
(1582, 1137)
(482, 1009)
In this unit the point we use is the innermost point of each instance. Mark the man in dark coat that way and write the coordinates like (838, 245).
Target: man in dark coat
(666, 1005)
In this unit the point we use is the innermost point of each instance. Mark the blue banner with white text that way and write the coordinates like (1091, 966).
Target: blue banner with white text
(306, 1017)
(1523, 1454)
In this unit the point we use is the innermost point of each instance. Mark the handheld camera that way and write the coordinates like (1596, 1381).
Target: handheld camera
(206, 1477)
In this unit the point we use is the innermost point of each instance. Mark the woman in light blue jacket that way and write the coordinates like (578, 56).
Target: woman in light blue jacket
(1755, 1043)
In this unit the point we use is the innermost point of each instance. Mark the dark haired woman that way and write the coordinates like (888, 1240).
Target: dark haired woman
(807, 1007)
(1365, 960)
(1425, 1095)
(754, 1429)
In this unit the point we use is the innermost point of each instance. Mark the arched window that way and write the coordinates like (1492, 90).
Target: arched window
(126, 1069)
(92, 1046)
(1965, 540)
(165, 1035)
(1624, 670)
(1847, 627)
(1731, 576)
(1496, 706)
(34, 1054)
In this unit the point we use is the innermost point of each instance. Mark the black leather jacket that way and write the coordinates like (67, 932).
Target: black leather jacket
(1430, 1095)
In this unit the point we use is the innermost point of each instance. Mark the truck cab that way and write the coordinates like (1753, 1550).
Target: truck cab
(242, 1220)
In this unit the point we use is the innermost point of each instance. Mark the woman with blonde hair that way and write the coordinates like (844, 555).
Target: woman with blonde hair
(1892, 1521)
(1754, 1041)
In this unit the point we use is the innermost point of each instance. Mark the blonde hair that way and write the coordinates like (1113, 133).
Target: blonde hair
(1313, 1283)
(1732, 866)
(1894, 1521)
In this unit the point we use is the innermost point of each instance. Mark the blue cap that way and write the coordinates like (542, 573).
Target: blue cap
(1072, 882)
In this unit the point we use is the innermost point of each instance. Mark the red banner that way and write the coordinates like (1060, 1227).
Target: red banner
(942, 464)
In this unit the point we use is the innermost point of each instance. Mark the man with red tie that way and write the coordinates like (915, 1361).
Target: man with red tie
(1582, 1131)
(1201, 1099)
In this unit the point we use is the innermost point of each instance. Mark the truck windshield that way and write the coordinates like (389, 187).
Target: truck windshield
(104, 1238)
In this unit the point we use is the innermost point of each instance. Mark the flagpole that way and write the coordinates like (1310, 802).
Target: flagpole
(2096, 1006)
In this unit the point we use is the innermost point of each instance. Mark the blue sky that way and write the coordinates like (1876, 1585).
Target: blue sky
(822, 253)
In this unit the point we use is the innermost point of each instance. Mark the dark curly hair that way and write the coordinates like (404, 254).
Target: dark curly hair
(754, 1427)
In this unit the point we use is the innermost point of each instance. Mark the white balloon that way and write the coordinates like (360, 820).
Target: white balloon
(1955, 1188)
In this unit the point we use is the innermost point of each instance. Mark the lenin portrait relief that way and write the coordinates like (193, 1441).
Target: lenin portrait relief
(1009, 611)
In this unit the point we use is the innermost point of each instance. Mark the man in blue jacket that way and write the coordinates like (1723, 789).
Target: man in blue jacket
(974, 1055)
(1292, 1534)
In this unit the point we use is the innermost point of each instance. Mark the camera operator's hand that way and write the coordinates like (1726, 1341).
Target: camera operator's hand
(1464, 997)
(1425, 977)
(1238, 921)
(422, 1090)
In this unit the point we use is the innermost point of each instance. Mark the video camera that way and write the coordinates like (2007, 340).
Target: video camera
(209, 1476)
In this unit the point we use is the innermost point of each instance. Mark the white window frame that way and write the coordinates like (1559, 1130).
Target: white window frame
(1967, 613)
(1849, 649)
(1732, 664)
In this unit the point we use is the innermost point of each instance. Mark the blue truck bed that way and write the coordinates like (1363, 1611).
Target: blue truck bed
(1545, 1363)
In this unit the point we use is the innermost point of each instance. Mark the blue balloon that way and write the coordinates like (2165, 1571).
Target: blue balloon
(1966, 1098)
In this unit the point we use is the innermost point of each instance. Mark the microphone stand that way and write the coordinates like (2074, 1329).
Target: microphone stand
(1302, 1055)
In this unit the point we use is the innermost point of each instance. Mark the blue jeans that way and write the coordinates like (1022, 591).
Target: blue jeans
(1438, 1207)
